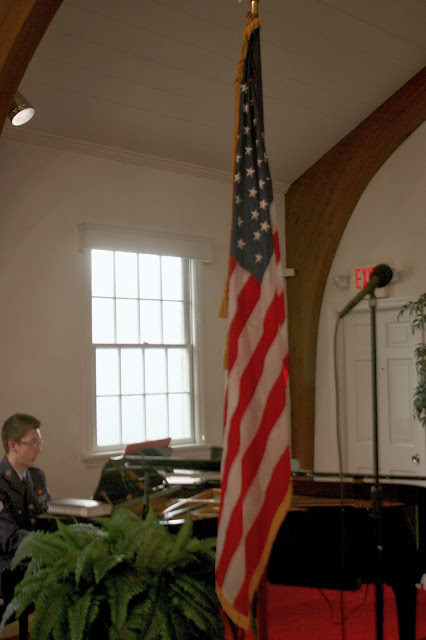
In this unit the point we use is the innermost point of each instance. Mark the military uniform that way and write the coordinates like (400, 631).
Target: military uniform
(20, 503)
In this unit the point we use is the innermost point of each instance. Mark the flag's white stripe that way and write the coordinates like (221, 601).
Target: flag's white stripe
(249, 425)
(252, 329)
(234, 394)
(238, 280)
(256, 319)
(243, 354)
(277, 444)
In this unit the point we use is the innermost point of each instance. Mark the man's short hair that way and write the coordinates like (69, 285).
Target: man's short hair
(16, 427)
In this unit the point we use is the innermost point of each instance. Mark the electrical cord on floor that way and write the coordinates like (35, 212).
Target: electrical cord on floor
(343, 618)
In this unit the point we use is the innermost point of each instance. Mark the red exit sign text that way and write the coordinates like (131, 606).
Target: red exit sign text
(362, 276)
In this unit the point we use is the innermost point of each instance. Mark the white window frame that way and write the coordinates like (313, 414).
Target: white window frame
(198, 250)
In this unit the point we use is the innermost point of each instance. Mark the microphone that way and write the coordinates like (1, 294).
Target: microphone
(380, 277)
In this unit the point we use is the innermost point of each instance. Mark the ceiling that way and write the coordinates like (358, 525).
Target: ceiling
(156, 77)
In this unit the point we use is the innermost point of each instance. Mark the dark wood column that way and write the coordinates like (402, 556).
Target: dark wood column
(22, 26)
(318, 207)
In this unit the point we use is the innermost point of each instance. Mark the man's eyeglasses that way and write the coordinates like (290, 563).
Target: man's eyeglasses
(32, 443)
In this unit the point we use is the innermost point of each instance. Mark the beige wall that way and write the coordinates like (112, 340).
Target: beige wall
(44, 194)
(388, 225)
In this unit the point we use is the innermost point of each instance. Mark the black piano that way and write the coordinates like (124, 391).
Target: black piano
(328, 539)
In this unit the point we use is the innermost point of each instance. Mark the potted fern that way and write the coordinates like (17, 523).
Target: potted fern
(417, 313)
(123, 578)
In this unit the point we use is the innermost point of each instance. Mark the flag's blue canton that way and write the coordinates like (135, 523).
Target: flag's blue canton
(252, 242)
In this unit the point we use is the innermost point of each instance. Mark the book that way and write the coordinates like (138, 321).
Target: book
(79, 507)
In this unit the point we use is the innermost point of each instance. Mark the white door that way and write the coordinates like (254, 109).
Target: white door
(401, 436)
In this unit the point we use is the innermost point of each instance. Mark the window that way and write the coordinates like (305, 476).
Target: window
(142, 347)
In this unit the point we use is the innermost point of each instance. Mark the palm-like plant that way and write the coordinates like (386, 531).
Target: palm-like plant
(124, 578)
(417, 314)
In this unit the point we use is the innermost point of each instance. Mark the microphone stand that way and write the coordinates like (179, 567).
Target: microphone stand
(377, 506)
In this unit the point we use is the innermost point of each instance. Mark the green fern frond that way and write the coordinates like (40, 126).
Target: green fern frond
(41, 545)
(78, 614)
(146, 614)
(201, 592)
(121, 590)
(9, 612)
(94, 561)
(88, 529)
(145, 619)
(103, 564)
(195, 611)
(178, 627)
(30, 587)
(182, 538)
(50, 610)
(79, 534)
(202, 545)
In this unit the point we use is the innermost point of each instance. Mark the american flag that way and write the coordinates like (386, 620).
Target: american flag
(255, 473)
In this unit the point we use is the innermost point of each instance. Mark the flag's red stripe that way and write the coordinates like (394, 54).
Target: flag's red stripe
(246, 302)
(248, 383)
(251, 460)
(247, 389)
(259, 532)
(276, 246)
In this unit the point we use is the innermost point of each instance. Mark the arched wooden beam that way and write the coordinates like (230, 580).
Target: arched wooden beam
(318, 207)
(22, 26)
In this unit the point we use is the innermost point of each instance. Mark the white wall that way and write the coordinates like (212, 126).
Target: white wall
(44, 194)
(387, 226)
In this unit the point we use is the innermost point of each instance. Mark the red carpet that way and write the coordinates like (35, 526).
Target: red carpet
(295, 613)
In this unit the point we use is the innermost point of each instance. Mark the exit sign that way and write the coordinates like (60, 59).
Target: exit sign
(359, 279)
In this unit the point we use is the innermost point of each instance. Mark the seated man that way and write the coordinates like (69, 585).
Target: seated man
(23, 491)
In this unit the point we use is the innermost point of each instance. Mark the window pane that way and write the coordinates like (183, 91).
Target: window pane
(149, 276)
(102, 273)
(178, 369)
(127, 321)
(107, 372)
(180, 416)
(103, 323)
(132, 419)
(173, 323)
(107, 421)
(126, 275)
(131, 371)
(150, 322)
(144, 386)
(171, 273)
(156, 417)
(155, 371)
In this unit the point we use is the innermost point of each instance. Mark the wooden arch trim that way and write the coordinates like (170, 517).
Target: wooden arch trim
(318, 207)
(22, 26)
